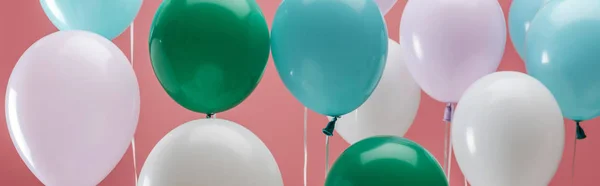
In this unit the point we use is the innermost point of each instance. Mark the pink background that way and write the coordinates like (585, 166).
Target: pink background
(271, 112)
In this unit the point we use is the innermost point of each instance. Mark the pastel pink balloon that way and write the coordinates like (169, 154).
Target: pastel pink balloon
(385, 5)
(449, 44)
(72, 106)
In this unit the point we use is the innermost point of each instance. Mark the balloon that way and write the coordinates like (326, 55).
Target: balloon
(386, 160)
(563, 54)
(391, 108)
(72, 107)
(385, 5)
(108, 18)
(449, 44)
(209, 55)
(211, 152)
(329, 54)
(508, 130)
(519, 19)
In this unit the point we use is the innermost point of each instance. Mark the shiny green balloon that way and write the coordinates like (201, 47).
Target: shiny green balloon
(209, 55)
(386, 161)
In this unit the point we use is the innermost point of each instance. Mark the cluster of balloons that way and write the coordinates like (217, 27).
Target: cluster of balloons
(331, 58)
(209, 56)
(73, 100)
(521, 115)
(337, 61)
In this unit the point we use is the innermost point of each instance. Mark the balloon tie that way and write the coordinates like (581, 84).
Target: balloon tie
(328, 130)
(209, 115)
(448, 113)
(579, 131)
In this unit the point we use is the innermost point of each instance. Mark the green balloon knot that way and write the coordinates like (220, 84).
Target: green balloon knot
(580, 133)
(328, 130)
(209, 115)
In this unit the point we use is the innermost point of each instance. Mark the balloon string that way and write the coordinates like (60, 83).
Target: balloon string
(445, 165)
(328, 131)
(134, 160)
(448, 112)
(574, 154)
(466, 183)
(131, 47)
(449, 158)
(305, 144)
(326, 156)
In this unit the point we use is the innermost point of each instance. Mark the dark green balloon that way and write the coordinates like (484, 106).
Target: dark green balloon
(209, 55)
(386, 161)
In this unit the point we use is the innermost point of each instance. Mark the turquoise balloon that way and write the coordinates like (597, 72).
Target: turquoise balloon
(329, 53)
(563, 52)
(108, 18)
(519, 19)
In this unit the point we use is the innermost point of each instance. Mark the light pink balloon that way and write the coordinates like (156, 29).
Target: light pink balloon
(449, 44)
(385, 5)
(72, 107)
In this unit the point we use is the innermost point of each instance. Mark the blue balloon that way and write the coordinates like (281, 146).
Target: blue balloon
(329, 53)
(563, 52)
(519, 19)
(108, 18)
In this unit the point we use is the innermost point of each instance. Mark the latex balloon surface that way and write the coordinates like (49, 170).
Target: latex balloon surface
(330, 54)
(383, 161)
(520, 16)
(449, 44)
(391, 108)
(211, 152)
(108, 18)
(562, 52)
(209, 55)
(508, 130)
(72, 107)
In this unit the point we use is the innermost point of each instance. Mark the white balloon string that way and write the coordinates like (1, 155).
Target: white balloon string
(445, 165)
(131, 47)
(326, 155)
(449, 158)
(573, 163)
(448, 113)
(305, 144)
(134, 161)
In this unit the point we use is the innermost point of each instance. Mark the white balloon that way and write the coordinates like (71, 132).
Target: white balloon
(72, 107)
(508, 130)
(211, 152)
(391, 108)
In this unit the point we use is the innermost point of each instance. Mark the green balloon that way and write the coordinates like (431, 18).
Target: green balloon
(386, 161)
(209, 55)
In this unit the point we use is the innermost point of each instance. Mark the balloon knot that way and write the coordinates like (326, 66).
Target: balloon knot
(209, 115)
(328, 130)
(580, 133)
(448, 112)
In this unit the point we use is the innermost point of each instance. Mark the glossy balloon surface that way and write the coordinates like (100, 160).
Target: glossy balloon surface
(210, 152)
(72, 107)
(383, 161)
(108, 18)
(508, 130)
(562, 52)
(330, 54)
(209, 55)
